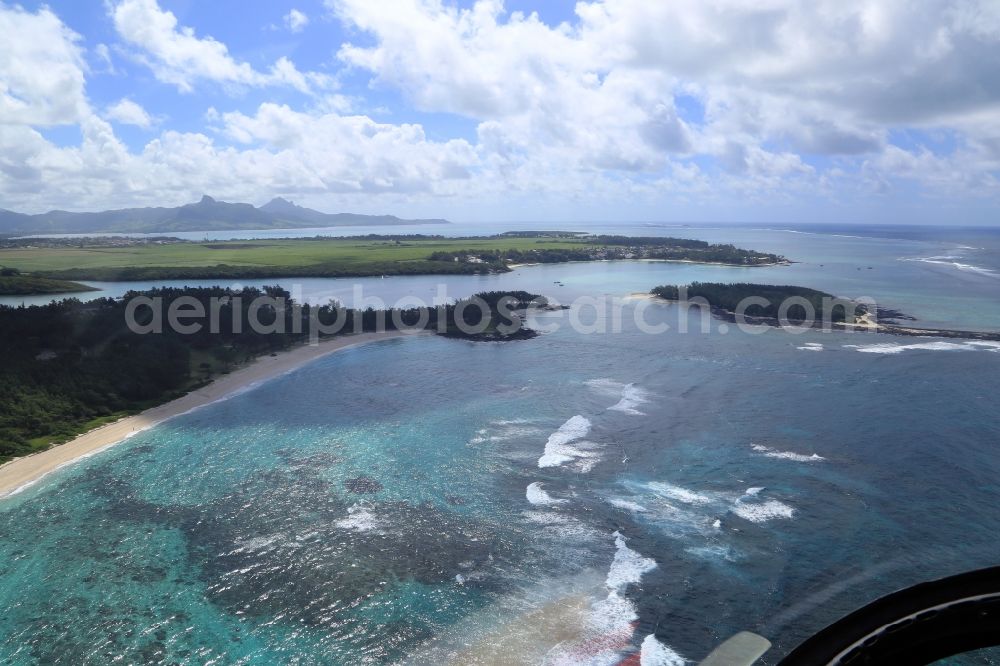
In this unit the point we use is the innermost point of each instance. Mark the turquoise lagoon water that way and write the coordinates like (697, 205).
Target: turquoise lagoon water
(410, 500)
(946, 277)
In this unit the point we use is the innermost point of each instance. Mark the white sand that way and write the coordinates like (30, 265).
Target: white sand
(22, 472)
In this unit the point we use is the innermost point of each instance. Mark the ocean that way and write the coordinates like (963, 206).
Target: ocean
(575, 498)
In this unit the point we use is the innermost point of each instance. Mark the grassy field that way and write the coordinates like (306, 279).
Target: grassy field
(345, 257)
(356, 256)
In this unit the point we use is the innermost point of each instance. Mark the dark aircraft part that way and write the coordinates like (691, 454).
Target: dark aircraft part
(919, 625)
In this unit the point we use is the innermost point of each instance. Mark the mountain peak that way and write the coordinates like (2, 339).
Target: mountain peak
(279, 204)
(208, 214)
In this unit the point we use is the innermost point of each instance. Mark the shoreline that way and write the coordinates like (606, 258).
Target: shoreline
(693, 262)
(507, 268)
(21, 473)
(863, 324)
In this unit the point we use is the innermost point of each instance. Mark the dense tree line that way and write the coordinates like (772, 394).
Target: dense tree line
(14, 283)
(612, 247)
(649, 241)
(728, 297)
(229, 272)
(70, 363)
(499, 258)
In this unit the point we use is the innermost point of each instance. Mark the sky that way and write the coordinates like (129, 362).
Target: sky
(868, 111)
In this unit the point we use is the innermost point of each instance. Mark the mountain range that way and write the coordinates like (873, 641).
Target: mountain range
(206, 215)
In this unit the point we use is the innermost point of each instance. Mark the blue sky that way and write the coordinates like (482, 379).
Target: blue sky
(846, 111)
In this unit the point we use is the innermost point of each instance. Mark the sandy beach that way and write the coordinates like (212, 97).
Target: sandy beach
(23, 472)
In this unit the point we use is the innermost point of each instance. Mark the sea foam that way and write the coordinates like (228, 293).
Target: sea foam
(557, 449)
(629, 396)
(679, 494)
(786, 455)
(559, 526)
(536, 495)
(655, 653)
(632, 396)
(762, 512)
(939, 345)
(949, 260)
(609, 624)
(627, 567)
(360, 518)
(627, 505)
(503, 431)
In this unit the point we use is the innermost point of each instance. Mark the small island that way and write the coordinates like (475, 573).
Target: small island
(729, 302)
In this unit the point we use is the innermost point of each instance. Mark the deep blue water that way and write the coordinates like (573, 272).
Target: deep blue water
(693, 485)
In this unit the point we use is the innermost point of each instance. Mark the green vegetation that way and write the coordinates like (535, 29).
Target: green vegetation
(69, 366)
(606, 248)
(728, 297)
(319, 257)
(503, 323)
(350, 257)
(12, 283)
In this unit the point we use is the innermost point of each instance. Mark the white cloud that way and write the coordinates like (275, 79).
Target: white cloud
(103, 54)
(355, 153)
(279, 151)
(296, 21)
(127, 112)
(776, 80)
(540, 91)
(41, 69)
(631, 105)
(177, 56)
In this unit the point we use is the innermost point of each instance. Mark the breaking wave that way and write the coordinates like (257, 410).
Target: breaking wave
(627, 505)
(537, 496)
(679, 494)
(559, 526)
(628, 566)
(505, 430)
(632, 396)
(360, 518)
(949, 260)
(939, 345)
(762, 512)
(786, 455)
(629, 396)
(655, 653)
(751, 507)
(557, 449)
(609, 625)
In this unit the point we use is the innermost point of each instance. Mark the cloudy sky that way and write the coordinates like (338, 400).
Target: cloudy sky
(674, 110)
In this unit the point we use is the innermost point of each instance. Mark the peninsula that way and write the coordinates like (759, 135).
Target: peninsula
(841, 313)
(73, 366)
(20, 473)
(118, 259)
(12, 283)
